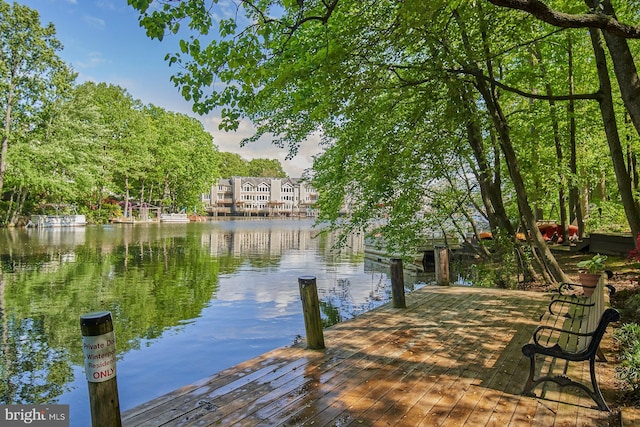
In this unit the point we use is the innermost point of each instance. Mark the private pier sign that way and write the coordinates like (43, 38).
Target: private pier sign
(98, 346)
(99, 357)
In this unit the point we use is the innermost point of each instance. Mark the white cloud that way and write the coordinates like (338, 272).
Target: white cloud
(106, 5)
(124, 82)
(97, 23)
(93, 59)
(263, 148)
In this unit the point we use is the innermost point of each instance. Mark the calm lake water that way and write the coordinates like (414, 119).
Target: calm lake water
(187, 300)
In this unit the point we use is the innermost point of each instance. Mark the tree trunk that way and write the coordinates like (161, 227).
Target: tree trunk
(126, 197)
(7, 217)
(504, 139)
(624, 67)
(576, 214)
(166, 194)
(23, 199)
(19, 205)
(511, 160)
(632, 161)
(559, 152)
(613, 138)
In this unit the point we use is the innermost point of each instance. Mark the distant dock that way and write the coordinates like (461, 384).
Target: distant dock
(56, 221)
(422, 259)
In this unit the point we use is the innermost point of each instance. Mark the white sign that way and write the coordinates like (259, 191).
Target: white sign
(99, 357)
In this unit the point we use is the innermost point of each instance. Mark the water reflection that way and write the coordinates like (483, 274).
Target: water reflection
(187, 300)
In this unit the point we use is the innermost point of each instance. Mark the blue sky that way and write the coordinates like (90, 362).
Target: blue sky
(104, 43)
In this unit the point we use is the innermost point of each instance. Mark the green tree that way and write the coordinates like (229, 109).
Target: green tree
(30, 73)
(185, 159)
(603, 23)
(232, 164)
(411, 99)
(266, 168)
(126, 142)
(60, 159)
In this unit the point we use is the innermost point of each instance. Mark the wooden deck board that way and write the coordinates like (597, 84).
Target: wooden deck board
(451, 358)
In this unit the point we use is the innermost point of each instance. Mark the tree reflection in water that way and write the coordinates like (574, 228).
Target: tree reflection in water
(337, 304)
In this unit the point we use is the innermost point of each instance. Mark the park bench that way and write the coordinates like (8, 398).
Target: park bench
(570, 331)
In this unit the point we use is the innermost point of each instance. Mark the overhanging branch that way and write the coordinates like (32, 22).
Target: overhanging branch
(560, 19)
(479, 74)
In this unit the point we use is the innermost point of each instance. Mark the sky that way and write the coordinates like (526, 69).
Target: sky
(103, 42)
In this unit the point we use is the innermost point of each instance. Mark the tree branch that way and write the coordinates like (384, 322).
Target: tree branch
(560, 19)
(479, 74)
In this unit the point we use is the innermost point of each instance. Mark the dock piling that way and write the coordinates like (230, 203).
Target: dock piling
(99, 349)
(311, 310)
(441, 255)
(397, 283)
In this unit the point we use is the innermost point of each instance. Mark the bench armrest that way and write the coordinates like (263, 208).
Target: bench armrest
(555, 332)
(564, 286)
(577, 301)
(569, 286)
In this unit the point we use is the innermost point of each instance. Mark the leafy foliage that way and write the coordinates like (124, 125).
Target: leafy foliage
(266, 168)
(398, 91)
(628, 370)
(502, 269)
(33, 78)
(232, 164)
(594, 264)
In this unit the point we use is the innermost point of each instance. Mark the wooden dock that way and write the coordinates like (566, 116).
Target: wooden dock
(451, 358)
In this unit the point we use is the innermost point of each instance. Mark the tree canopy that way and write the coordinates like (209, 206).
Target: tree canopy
(232, 164)
(92, 147)
(32, 75)
(433, 114)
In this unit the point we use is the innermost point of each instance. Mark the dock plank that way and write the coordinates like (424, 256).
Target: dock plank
(451, 358)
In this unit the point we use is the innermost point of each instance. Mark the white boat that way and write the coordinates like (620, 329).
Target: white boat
(174, 217)
(42, 221)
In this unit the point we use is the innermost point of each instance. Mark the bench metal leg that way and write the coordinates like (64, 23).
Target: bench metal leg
(562, 380)
(529, 351)
(597, 394)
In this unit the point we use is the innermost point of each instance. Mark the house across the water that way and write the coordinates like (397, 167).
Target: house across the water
(251, 196)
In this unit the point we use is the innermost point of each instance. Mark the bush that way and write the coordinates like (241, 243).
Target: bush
(103, 215)
(627, 302)
(502, 269)
(609, 216)
(628, 371)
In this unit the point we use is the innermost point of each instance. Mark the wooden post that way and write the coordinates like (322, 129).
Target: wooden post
(311, 310)
(397, 283)
(441, 255)
(99, 348)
